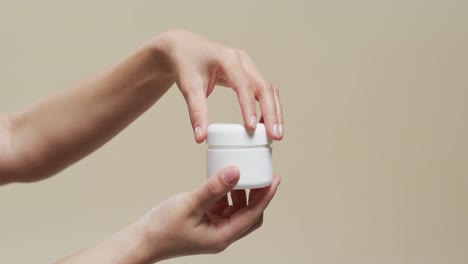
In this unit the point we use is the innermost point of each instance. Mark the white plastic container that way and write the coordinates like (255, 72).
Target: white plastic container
(233, 144)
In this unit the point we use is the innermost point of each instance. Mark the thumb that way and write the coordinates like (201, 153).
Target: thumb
(217, 186)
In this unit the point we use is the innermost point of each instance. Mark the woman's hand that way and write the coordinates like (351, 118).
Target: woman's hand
(104, 105)
(197, 222)
(202, 221)
(197, 64)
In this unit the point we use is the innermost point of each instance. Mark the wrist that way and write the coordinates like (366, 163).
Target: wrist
(131, 246)
(159, 47)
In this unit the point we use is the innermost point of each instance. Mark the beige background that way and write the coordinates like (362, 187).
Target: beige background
(375, 159)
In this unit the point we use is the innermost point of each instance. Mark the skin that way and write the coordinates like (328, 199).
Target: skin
(61, 129)
(197, 222)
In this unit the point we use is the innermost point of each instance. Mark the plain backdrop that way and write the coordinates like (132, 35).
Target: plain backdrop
(375, 157)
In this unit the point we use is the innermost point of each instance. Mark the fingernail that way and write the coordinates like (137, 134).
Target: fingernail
(253, 121)
(198, 132)
(275, 130)
(281, 131)
(230, 175)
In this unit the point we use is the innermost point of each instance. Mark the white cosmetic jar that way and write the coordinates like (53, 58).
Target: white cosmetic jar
(250, 151)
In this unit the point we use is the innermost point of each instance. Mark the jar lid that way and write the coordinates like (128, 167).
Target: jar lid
(227, 135)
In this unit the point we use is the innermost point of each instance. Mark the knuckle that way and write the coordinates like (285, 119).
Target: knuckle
(230, 56)
(195, 116)
(260, 222)
(275, 89)
(245, 85)
(245, 94)
(223, 246)
(231, 52)
(242, 53)
(269, 87)
(213, 188)
(264, 90)
(218, 245)
(247, 103)
(242, 87)
(184, 201)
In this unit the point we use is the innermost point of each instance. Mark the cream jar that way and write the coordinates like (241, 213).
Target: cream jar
(250, 151)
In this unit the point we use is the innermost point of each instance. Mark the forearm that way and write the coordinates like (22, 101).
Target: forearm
(125, 247)
(65, 127)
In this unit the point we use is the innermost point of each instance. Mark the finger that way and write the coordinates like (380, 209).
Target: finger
(266, 97)
(246, 99)
(265, 93)
(229, 211)
(256, 196)
(279, 111)
(251, 229)
(254, 193)
(239, 198)
(246, 217)
(237, 78)
(214, 217)
(217, 186)
(220, 205)
(212, 81)
(195, 96)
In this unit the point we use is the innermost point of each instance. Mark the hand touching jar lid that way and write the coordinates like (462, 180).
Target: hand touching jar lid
(250, 151)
